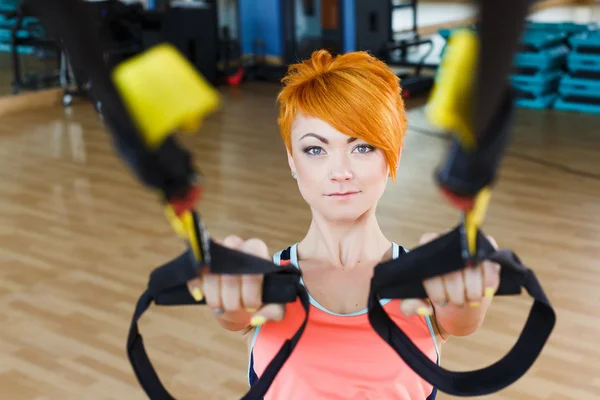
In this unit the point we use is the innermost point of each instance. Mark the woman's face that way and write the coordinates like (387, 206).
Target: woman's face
(339, 176)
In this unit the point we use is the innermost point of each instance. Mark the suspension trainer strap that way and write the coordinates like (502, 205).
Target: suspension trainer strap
(403, 278)
(167, 287)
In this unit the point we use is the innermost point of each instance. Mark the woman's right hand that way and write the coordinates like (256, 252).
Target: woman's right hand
(237, 299)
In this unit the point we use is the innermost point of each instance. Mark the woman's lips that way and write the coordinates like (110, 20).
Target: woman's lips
(342, 195)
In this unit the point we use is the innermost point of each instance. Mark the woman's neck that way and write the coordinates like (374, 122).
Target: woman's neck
(345, 245)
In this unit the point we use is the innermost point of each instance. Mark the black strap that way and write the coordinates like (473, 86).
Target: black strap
(167, 287)
(403, 277)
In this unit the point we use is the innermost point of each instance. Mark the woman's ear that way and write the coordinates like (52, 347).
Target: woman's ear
(291, 162)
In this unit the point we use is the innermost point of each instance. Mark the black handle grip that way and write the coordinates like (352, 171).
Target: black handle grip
(277, 288)
(512, 279)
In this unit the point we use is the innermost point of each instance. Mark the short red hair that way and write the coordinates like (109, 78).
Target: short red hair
(355, 93)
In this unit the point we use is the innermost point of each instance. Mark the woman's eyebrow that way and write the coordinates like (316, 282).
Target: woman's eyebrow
(322, 139)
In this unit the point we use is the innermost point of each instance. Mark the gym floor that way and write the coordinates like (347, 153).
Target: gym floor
(79, 236)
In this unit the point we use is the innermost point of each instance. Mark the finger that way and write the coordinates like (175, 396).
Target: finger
(428, 237)
(491, 278)
(195, 288)
(252, 283)
(252, 292)
(412, 307)
(231, 288)
(473, 279)
(436, 292)
(211, 287)
(492, 241)
(270, 312)
(256, 247)
(233, 241)
(455, 287)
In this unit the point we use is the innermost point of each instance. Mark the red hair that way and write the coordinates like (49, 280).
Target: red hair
(355, 93)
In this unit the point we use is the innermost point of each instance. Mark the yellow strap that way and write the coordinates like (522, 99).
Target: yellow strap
(474, 218)
(184, 227)
(450, 105)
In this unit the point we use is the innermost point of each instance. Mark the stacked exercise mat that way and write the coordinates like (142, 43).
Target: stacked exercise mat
(30, 28)
(558, 66)
(542, 69)
(538, 68)
(579, 89)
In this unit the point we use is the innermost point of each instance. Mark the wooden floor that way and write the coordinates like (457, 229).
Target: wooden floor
(78, 237)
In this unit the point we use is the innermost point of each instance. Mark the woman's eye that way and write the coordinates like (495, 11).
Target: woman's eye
(364, 148)
(314, 150)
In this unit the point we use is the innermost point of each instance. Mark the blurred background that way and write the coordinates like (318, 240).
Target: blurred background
(79, 235)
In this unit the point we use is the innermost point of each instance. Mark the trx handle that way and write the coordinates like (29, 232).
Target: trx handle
(403, 277)
(465, 172)
(167, 287)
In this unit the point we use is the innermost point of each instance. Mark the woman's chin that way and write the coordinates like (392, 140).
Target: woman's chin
(341, 214)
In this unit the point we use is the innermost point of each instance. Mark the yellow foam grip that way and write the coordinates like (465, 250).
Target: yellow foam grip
(184, 227)
(474, 218)
(451, 100)
(164, 92)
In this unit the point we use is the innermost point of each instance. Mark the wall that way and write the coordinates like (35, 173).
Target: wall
(261, 19)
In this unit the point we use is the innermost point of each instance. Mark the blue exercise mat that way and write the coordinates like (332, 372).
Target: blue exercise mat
(544, 60)
(536, 41)
(568, 28)
(561, 104)
(538, 102)
(570, 86)
(539, 84)
(586, 43)
(584, 66)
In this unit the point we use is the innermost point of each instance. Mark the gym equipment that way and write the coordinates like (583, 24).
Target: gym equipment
(586, 42)
(412, 83)
(566, 28)
(536, 91)
(538, 67)
(27, 36)
(584, 66)
(473, 102)
(579, 90)
(541, 51)
(561, 104)
(374, 33)
(584, 88)
(579, 95)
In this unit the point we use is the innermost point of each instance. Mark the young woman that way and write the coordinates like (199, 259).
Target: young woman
(343, 122)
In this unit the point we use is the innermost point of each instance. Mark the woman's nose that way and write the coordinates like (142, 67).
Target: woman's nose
(341, 169)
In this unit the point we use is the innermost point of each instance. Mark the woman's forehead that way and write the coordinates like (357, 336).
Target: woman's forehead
(306, 124)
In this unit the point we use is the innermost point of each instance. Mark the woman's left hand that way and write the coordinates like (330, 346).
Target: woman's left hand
(466, 287)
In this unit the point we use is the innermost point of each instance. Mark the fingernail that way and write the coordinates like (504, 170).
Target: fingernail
(197, 294)
(423, 311)
(257, 320)
(489, 292)
(252, 310)
(474, 304)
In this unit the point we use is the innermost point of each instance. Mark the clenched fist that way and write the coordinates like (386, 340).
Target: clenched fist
(468, 286)
(237, 299)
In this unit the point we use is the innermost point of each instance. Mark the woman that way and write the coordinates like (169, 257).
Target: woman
(343, 121)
